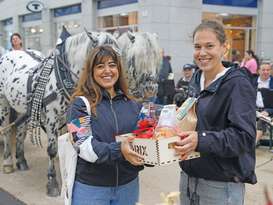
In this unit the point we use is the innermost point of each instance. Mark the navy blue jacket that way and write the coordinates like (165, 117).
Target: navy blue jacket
(113, 117)
(226, 129)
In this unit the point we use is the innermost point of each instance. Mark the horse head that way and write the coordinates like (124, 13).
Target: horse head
(141, 58)
(78, 46)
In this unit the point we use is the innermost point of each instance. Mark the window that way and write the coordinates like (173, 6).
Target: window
(63, 11)
(31, 17)
(121, 22)
(102, 4)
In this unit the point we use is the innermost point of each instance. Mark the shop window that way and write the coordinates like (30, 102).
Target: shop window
(120, 21)
(102, 4)
(31, 17)
(32, 37)
(8, 21)
(242, 3)
(67, 10)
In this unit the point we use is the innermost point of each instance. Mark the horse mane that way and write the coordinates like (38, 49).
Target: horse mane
(145, 51)
(141, 59)
(76, 47)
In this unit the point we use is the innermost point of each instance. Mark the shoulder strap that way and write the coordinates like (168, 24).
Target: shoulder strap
(87, 104)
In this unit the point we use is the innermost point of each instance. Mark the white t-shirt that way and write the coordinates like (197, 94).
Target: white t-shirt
(202, 80)
(261, 84)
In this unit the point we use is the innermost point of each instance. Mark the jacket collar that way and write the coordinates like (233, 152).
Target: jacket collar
(212, 88)
(106, 95)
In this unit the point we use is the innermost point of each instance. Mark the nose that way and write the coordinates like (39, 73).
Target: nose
(107, 68)
(202, 51)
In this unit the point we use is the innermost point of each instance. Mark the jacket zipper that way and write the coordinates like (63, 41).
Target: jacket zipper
(117, 128)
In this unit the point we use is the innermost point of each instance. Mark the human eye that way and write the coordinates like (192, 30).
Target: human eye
(112, 65)
(100, 66)
(210, 46)
(197, 47)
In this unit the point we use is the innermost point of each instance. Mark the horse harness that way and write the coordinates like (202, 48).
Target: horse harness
(36, 85)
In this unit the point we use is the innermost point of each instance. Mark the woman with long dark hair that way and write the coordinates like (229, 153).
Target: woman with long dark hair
(110, 177)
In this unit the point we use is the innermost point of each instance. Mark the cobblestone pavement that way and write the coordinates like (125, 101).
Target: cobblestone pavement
(30, 186)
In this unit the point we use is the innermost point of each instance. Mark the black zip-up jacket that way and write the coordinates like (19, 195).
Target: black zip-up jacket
(226, 129)
(113, 117)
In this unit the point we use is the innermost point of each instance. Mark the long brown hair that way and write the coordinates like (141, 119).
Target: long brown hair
(88, 87)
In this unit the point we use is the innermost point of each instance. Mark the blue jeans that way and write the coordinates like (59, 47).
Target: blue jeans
(99, 195)
(210, 192)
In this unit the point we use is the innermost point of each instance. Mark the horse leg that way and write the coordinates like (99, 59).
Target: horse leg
(4, 121)
(21, 162)
(53, 189)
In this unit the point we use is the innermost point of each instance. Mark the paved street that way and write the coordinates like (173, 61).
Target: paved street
(29, 186)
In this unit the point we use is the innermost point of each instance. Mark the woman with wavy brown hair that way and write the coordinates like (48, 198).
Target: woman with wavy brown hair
(110, 176)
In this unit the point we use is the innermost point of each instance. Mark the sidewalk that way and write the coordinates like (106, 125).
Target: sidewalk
(30, 186)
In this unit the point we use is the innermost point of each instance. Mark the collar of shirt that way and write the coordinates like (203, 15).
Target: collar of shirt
(202, 80)
(263, 83)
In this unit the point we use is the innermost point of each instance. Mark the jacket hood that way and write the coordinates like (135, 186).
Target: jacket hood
(233, 72)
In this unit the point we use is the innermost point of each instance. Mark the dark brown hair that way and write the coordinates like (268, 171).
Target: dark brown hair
(18, 35)
(88, 87)
(214, 26)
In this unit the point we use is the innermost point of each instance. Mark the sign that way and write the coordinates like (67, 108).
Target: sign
(35, 6)
(241, 3)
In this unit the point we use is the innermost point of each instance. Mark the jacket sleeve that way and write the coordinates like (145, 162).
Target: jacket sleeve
(98, 152)
(239, 136)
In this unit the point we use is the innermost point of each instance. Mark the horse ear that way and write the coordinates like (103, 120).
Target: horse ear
(63, 36)
(131, 36)
(116, 34)
(92, 38)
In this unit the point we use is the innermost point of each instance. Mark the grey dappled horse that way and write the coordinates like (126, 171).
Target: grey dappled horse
(16, 66)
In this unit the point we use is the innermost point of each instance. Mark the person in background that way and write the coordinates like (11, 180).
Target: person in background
(182, 85)
(112, 176)
(226, 126)
(265, 80)
(166, 87)
(17, 44)
(250, 61)
(16, 41)
(187, 72)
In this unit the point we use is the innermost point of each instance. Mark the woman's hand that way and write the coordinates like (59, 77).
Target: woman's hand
(187, 144)
(130, 155)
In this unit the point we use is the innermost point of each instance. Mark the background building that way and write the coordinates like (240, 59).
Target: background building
(247, 22)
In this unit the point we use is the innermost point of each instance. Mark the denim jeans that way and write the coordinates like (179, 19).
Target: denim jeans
(206, 192)
(99, 195)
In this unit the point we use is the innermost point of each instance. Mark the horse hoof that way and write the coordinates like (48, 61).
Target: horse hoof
(53, 189)
(7, 169)
(22, 166)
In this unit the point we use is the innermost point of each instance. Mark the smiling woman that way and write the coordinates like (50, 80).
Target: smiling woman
(225, 132)
(112, 177)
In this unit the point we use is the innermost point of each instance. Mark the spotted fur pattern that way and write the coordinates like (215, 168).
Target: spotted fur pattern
(14, 71)
(15, 68)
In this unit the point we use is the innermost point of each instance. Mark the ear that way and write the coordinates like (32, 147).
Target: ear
(226, 47)
(63, 36)
(131, 36)
(92, 37)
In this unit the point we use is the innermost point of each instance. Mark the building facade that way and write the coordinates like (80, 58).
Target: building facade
(247, 23)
